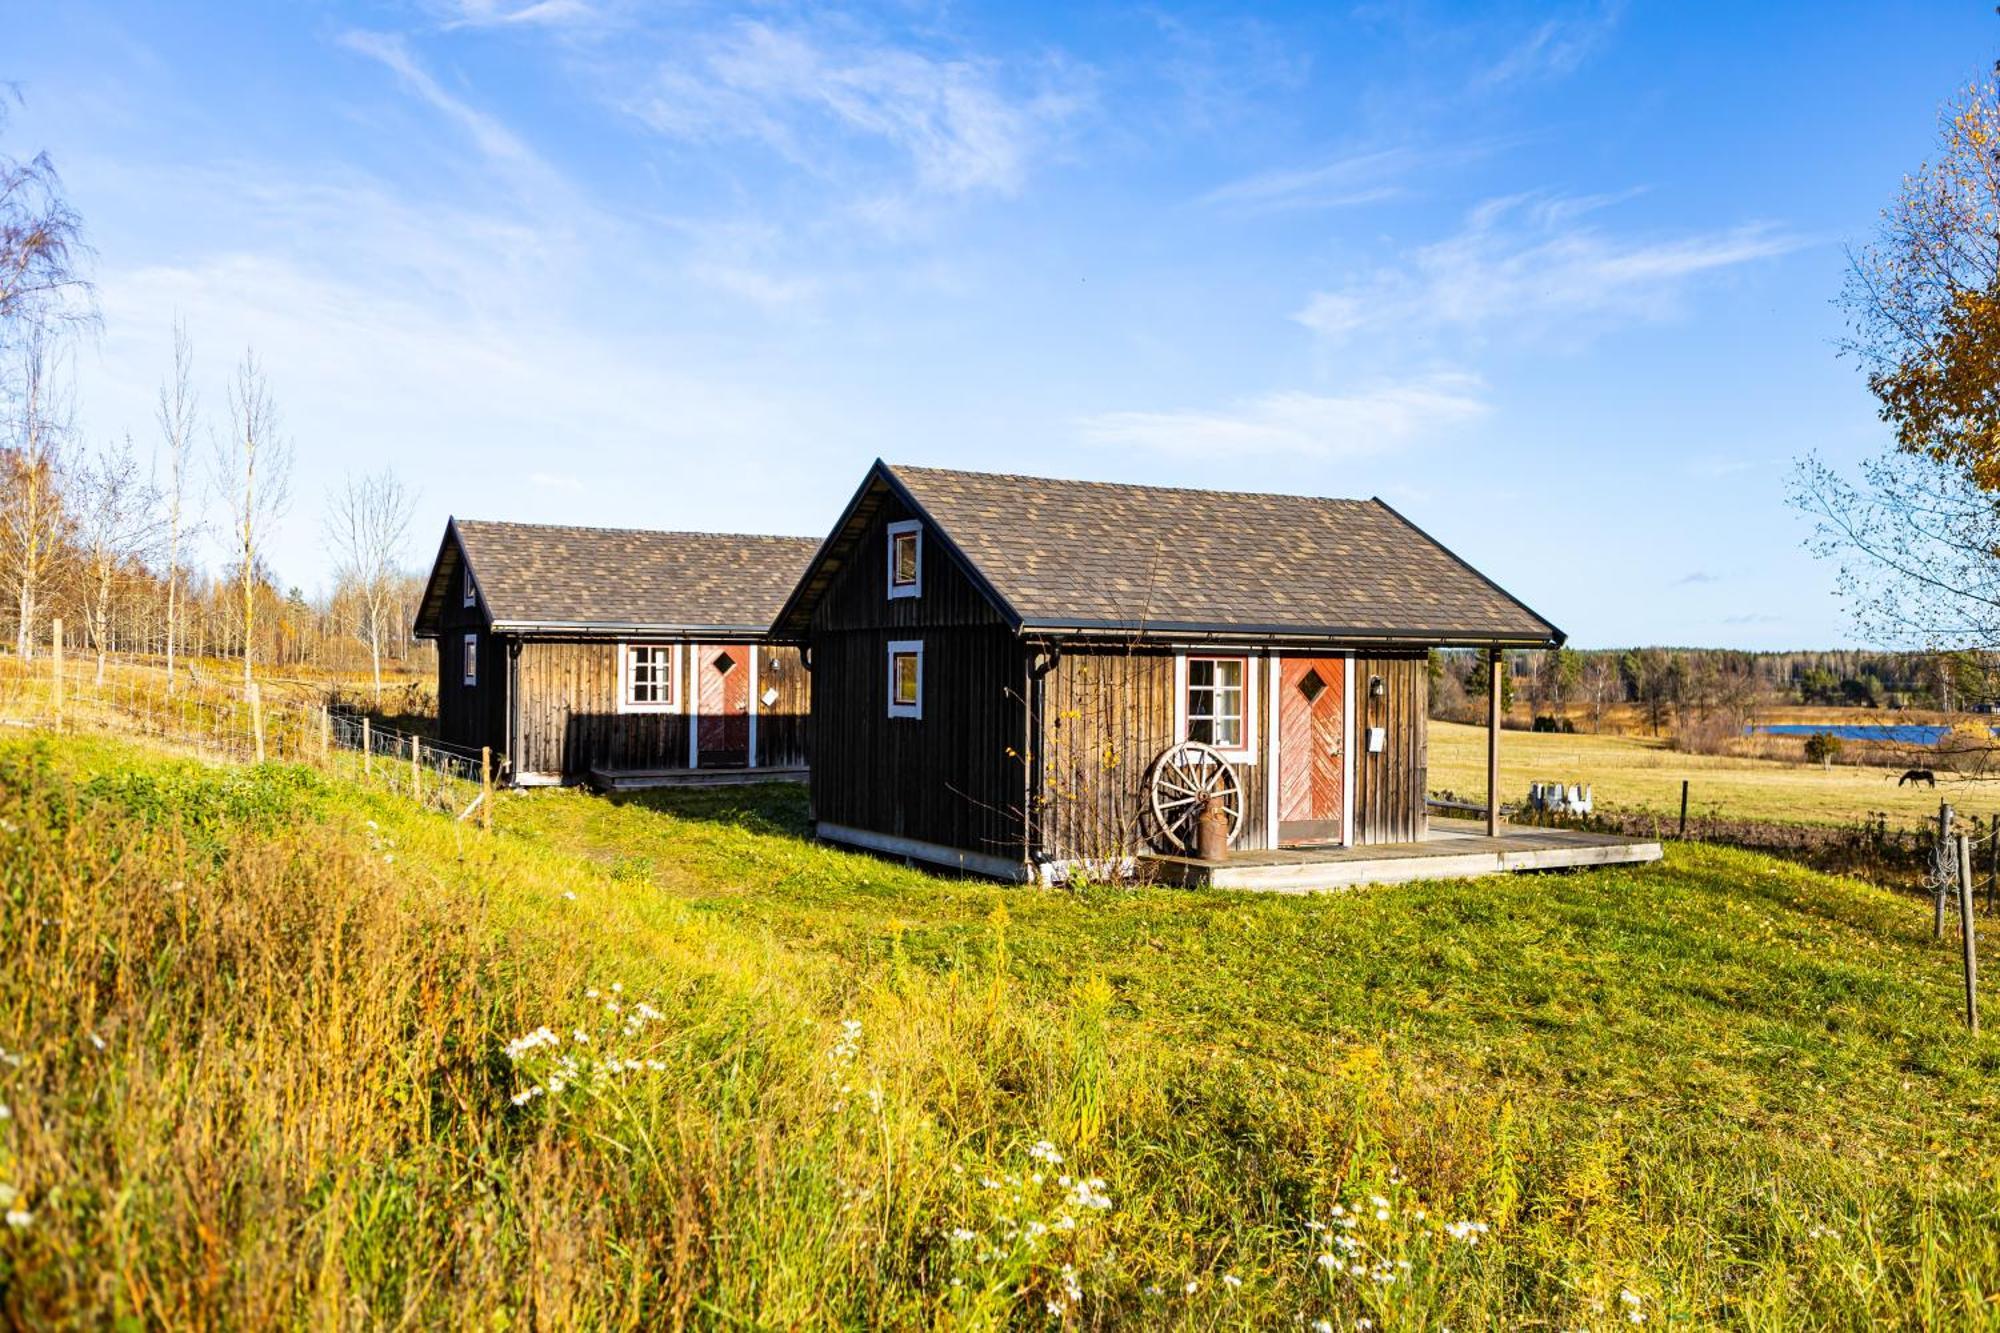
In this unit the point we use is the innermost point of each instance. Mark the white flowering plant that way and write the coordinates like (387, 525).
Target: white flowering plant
(1028, 1241)
(612, 1042)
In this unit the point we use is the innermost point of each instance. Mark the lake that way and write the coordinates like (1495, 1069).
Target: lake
(1901, 733)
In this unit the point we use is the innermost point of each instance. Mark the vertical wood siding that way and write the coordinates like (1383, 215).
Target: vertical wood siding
(469, 715)
(952, 777)
(1106, 714)
(1390, 787)
(568, 719)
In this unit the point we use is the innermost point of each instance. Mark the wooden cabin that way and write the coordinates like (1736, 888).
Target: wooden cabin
(620, 656)
(1015, 675)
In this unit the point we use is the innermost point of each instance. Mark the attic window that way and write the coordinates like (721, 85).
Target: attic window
(906, 559)
(723, 664)
(471, 593)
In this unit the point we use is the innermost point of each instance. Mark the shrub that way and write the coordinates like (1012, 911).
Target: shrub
(1822, 748)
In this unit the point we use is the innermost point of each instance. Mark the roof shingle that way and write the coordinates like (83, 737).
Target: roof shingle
(1090, 554)
(541, 574)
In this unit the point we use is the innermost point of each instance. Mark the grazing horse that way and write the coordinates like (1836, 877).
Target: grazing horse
(1917, 775)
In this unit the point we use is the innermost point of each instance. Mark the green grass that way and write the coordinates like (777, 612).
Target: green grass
(1733, 1088)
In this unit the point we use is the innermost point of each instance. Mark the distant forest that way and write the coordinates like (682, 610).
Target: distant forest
(1693, 689)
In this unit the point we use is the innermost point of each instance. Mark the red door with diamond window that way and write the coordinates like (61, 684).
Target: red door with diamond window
(1312, 728)
(722, 703)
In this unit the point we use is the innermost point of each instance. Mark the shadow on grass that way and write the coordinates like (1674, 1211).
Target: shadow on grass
(763, 807)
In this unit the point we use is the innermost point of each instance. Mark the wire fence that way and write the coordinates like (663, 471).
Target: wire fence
(275, 720)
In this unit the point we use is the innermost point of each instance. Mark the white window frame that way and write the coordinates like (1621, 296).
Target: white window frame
(468, 668)
(899, 648)
(672, 703)
(914, 529)
(470, 590)
(1246, 751)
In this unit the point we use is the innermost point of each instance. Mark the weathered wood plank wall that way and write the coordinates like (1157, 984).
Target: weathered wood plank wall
(1390, 786)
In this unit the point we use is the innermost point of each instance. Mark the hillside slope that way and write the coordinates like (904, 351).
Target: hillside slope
(278, 1049)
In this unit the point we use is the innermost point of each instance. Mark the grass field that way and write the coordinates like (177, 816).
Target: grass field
(282, 1050)
(1638, 772)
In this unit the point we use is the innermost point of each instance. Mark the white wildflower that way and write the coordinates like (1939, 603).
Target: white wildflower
(1327, 1262)
(1231, 1281)
(1322, 1326)
(1044, 1151)
(1193, 1285)
(961, 1235)
(18, 1218)
(97, 1041)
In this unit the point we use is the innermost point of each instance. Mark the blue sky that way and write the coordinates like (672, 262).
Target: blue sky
(1554, 281)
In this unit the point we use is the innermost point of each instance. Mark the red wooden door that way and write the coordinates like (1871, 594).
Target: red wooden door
(1312, 727)
(722, 699)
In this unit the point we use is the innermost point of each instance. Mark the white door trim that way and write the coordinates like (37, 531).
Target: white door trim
(1347, 756)
(694, 708)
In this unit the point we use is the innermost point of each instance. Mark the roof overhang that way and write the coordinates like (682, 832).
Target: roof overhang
(1339, 634)
(613, 629)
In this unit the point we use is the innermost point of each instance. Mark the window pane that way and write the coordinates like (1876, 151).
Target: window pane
(906, 557)
(1215, 701)
(906, 678)
(1227, 674)
(1201, 672)
(1202, 730)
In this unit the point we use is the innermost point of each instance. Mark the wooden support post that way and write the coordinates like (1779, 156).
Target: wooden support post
(256, 717)
(486, 787)
(367, 750)
(1967, 941)
(416, 760)
(56, 666)
(1494, 668)
(325, 734)
(1940, 869)
(1684, 809)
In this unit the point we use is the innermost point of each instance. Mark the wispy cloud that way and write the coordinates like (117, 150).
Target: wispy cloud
(1533, 263)
(1557, 47)
(818, 98)
(1345, 425)
(556, 481)
(1697, 577)
(514, 14)
(492, 138)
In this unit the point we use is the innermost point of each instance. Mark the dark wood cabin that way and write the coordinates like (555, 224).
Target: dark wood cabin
(1012, 675)
(615, 654)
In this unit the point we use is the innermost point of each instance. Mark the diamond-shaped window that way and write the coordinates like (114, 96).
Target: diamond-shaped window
(1312, 684)
(723, 664)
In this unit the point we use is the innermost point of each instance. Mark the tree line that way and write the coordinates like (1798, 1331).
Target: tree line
(109, 538)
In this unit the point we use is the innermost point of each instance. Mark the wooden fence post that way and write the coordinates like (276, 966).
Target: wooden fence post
(56, 665)
(257, 717)
(1940, 872)
(486, 787)
(325, 734)
(367, 750)
(416, 780)
(1969, 945)
(1684, 809)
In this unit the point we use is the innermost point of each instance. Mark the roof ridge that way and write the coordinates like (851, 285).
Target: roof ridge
(645, 532)
(1129, 485)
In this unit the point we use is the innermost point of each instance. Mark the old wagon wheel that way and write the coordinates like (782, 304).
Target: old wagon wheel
(1182, 780)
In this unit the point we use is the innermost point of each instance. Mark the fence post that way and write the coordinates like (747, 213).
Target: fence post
(325, 734)
(1684, 809)
(1940, 868)
(367, 750)
(56, 666)
(416, 781)
(486, 787)
(1970, 945)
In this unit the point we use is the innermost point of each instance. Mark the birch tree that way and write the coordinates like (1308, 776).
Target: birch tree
(41, 246)
(34, 472)
(253, 466)
(176, 415)
(116, 527)
(367, 523)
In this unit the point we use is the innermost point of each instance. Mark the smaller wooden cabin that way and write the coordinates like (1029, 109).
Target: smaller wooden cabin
(616, 655)
(1012, 675)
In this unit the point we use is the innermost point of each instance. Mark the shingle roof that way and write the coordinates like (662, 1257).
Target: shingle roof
(541, 574)
(1098, 555)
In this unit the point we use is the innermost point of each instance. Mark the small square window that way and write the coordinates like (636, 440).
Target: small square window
(470, 674)
(650, 678)
(906, 678)
(723, 664)
(906, 559)
(1215, 691)
(1312, 684)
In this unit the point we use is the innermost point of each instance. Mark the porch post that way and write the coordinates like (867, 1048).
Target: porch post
(1494, 666)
